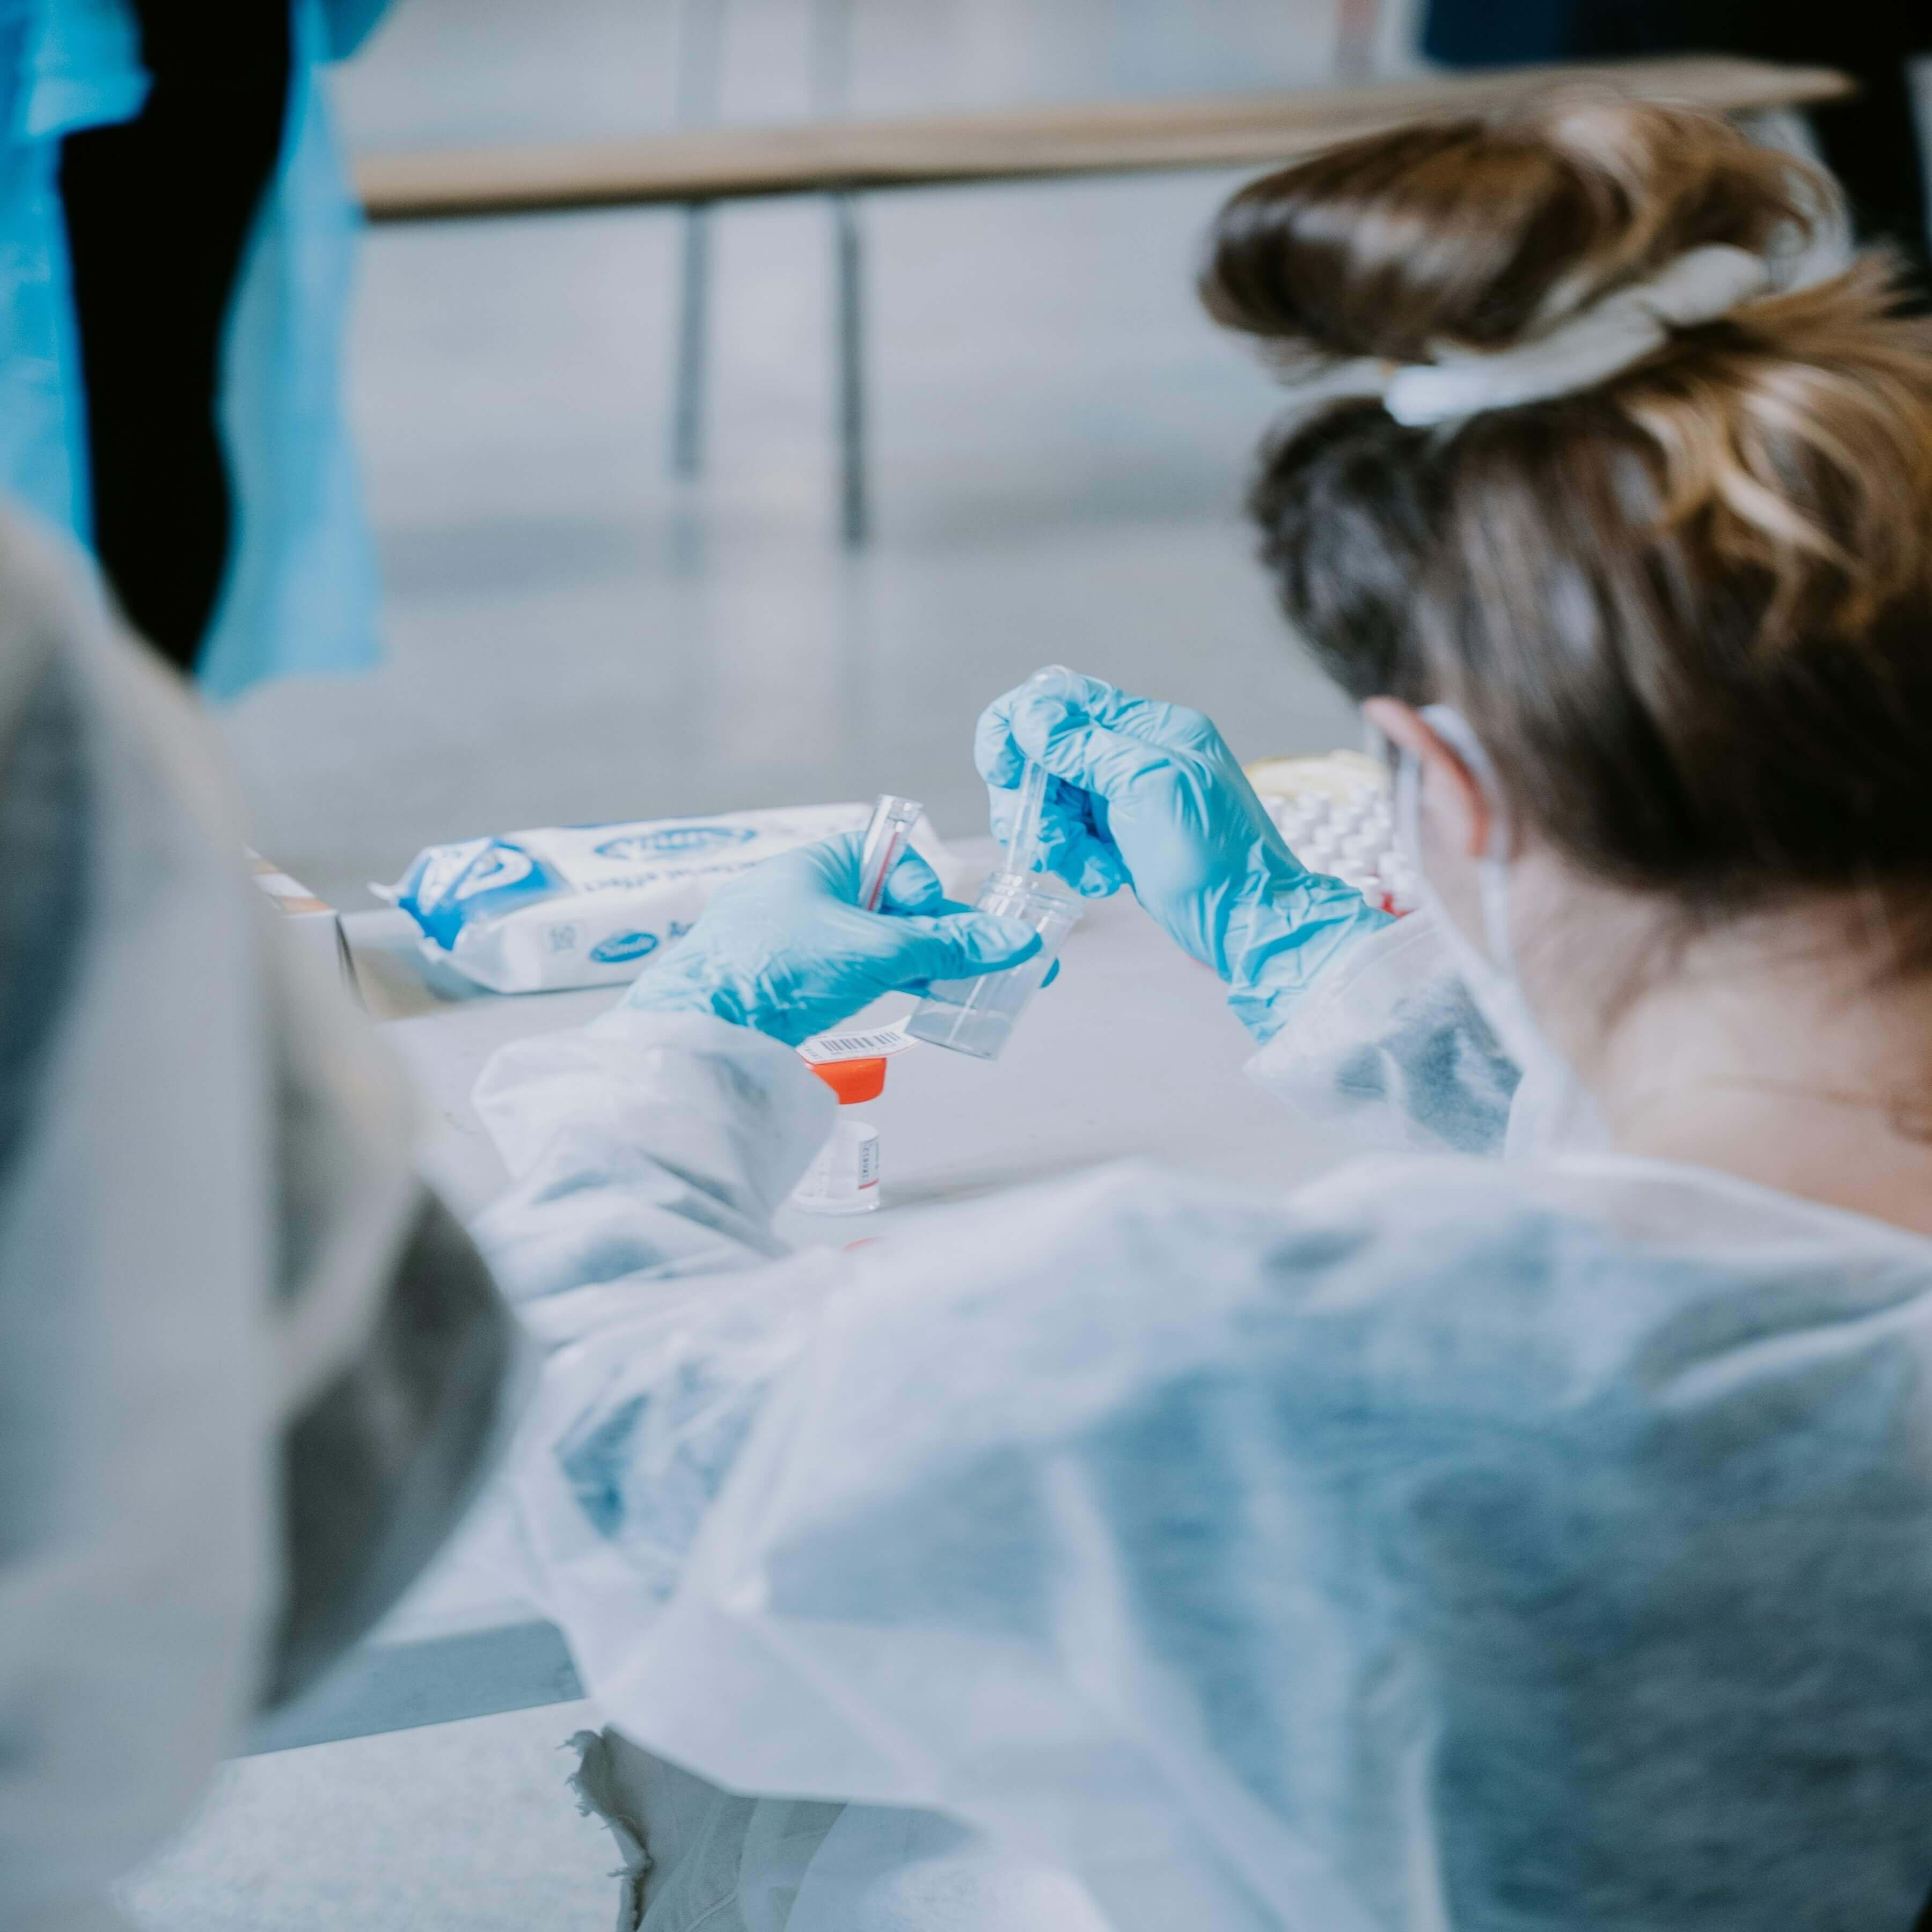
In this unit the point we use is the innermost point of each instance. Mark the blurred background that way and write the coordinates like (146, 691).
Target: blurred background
(1058, 441)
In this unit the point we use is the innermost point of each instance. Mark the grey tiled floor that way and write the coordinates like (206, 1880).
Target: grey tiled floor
(461, 1828)
(1061, 441)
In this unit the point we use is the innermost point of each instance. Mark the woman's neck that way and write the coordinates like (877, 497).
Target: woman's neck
(1774, 1051)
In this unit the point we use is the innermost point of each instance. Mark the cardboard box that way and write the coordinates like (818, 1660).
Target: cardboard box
(315, 923)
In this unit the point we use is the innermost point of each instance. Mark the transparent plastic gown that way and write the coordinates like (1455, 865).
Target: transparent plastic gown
(1458, 1542)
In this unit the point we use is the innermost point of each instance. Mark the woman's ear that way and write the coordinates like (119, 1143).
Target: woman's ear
(1450, 792)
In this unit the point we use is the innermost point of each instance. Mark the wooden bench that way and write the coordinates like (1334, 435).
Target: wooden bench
(844, 158)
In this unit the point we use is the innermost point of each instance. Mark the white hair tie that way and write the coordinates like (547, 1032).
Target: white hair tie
(1609, 336)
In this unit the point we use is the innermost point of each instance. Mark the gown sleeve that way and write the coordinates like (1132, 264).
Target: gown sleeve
(1387, 1045)
(643, 1148)
(881, 1526)
(648, 1153)
(1385, 1556)
(900, 1527)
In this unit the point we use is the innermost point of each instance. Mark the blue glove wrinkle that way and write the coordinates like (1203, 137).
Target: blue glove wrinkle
(912, 886)
(1074, 845)
(1284, 936)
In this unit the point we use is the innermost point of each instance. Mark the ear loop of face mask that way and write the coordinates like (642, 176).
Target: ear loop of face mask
(1449, 724)
(1552, 1113)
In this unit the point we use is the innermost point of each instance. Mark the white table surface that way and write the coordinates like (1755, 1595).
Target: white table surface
(1132, 1053)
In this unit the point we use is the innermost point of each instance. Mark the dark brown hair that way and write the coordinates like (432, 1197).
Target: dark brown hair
(1688, 610)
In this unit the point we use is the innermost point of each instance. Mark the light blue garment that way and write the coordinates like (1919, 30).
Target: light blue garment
(301, 592)
(786, 949)
(348, 23)
(300, 595)
(64, 64)
(1148, 794)
(1455, 1544)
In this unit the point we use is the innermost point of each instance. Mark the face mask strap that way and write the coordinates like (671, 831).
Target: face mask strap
(1449, 724)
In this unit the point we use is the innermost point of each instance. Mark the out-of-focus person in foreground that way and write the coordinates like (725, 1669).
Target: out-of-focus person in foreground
(1541, 1540)
(251, 1370)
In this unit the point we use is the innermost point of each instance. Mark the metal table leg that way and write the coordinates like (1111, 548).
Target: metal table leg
(855, 507)
(700, 62)
(1357, 30)
(829, 25)
(687, 421)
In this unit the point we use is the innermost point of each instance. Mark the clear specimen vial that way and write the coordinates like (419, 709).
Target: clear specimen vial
(845, 1177)
(887, 833)
(976, 1016)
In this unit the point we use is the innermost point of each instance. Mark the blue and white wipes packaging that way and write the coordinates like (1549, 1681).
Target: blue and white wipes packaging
(587, 905)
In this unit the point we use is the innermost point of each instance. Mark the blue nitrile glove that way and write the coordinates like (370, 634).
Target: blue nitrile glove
(785, 950)
(1148, 795)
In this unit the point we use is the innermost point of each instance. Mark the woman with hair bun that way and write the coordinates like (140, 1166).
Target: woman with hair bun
(1541, 1542)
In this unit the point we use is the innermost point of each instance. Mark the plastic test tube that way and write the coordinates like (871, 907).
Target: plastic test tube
(976, 1016)
(887, 832)
(1023, 839)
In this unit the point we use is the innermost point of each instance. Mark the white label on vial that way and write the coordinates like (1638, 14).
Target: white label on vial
(844, 1178)
(817, 1179)
(875, 1044)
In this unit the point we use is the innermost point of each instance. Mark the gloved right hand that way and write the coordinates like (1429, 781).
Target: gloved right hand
(1148, 794)
(784, 949)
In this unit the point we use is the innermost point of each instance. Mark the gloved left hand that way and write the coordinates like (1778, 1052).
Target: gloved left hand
(785, 949)
(1149, 794)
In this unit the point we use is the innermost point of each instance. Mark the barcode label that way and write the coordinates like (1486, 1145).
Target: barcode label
(875, 1044)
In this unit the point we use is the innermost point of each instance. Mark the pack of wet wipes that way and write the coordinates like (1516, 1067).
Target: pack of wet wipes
(587, 905)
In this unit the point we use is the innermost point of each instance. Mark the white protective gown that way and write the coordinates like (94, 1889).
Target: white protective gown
(250, 1371)
(1457, 1543)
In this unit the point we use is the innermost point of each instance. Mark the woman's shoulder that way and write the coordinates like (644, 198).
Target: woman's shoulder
(1133, 1276)
(1412, 1279)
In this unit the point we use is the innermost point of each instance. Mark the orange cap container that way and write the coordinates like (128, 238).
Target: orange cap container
(852, 1080)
